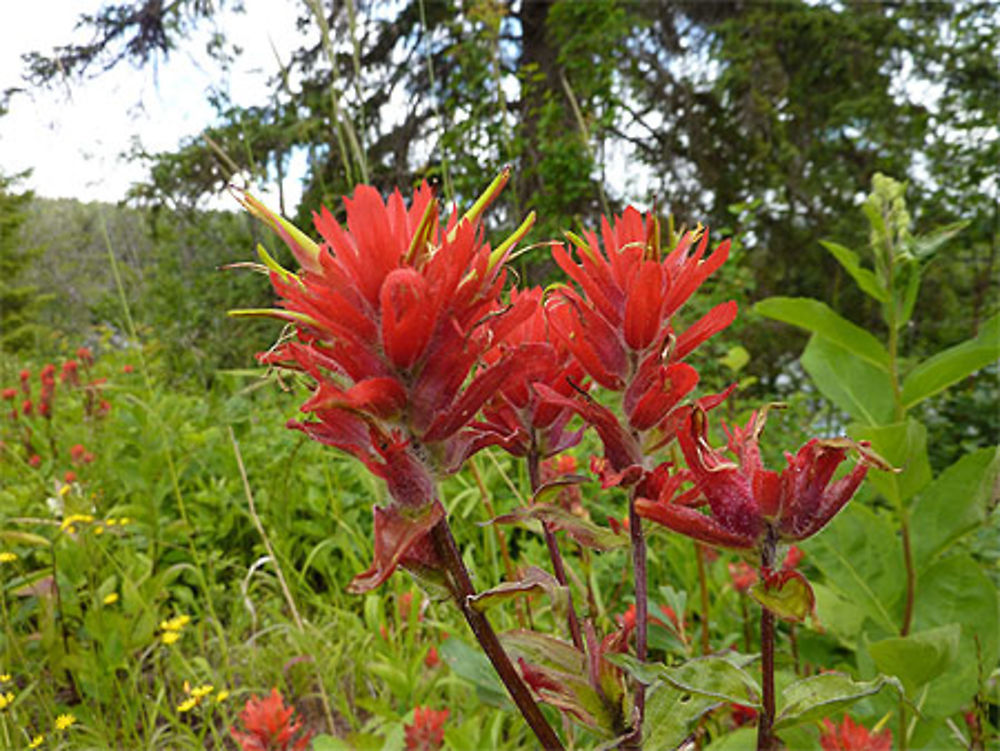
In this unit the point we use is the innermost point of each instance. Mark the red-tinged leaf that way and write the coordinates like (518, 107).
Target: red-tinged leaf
(547, 492)
(787, 594)
(533, 581)
(380, 397)
(400, 534)
(583, 531)
(694, 524)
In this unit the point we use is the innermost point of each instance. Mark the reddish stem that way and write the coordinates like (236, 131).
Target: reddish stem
(558, 567)
(638, 540)
(487, 638)
(765, 721)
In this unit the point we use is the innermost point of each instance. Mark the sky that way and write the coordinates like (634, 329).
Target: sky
(72, 137)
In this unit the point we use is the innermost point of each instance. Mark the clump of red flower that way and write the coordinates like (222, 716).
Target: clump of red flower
(851, 736)
(426, 732)
(393, 316)
(746, 501)
(268, 725)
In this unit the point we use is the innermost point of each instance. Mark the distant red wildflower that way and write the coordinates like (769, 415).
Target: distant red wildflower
(426, 733)
(433, 659)
(850, 736)
(70, 372)
(70, 477)
(269, 726)
(9, 395)
(85, 356)
(26, 382)
(126, 369)
(35, 460)
(27, 408)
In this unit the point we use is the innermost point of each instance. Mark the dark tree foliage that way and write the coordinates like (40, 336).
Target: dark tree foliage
(762, 119)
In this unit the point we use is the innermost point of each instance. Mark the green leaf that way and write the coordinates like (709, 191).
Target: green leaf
(854, 385)
(818, 318)
(956, 503)
(865, 278)
(24, 538)
(826, 694)
(714, 677)
(925, 246)
(473, 666)
(917, 658)
(788, 596)
(956, 590)
(904, 446)
(583, 531)
(735, 359)
(952, 365)
(672, 714)
(533, 581)
(861, 560)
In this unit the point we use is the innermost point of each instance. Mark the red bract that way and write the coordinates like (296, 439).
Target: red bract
(269, 726)
(393, 316)
(427, 731)
(850, 736)
(517, 417)
(747, 500)
(70, 372)
(85, 356)
(9, 395)
(620, 328)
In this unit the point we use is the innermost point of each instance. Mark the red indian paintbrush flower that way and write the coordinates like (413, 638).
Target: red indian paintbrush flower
(621, 329)
(269, 726)
(746, 500)
(392, 318)
(427, 731)
(851, 736)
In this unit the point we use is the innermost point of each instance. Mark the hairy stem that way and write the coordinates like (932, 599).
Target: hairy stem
(706, 644)
(638, 540)
(444, 542)
(765, 723)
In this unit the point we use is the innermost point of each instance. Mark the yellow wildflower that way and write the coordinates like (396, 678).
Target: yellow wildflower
(72, 519)
(110, 522)
(6, 700)
(187, 705)
(221, 696)
(71, 530)
(98, 530)
(65, 489)
(36, 741)
(5, 678)
(169, 637)
(111, 599)
(202, 691)
(8, 557)
(124, 520)
(176, 623)
(64, 721)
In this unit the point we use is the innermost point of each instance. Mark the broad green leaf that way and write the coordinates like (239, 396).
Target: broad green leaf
(534, 581)
(904, 446)
(952, 365)
(838, 615)
(865, 278)
(736, 358)
(820, 319)
(917, 658)
(956, 590)
(861, 560)
(824, 695)
(954, 504)
(713, 677)
(581, 530)
(473, 666)
(856, 386)
(789, 596)
(741, 739)
(672, 715)
(542, 649)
